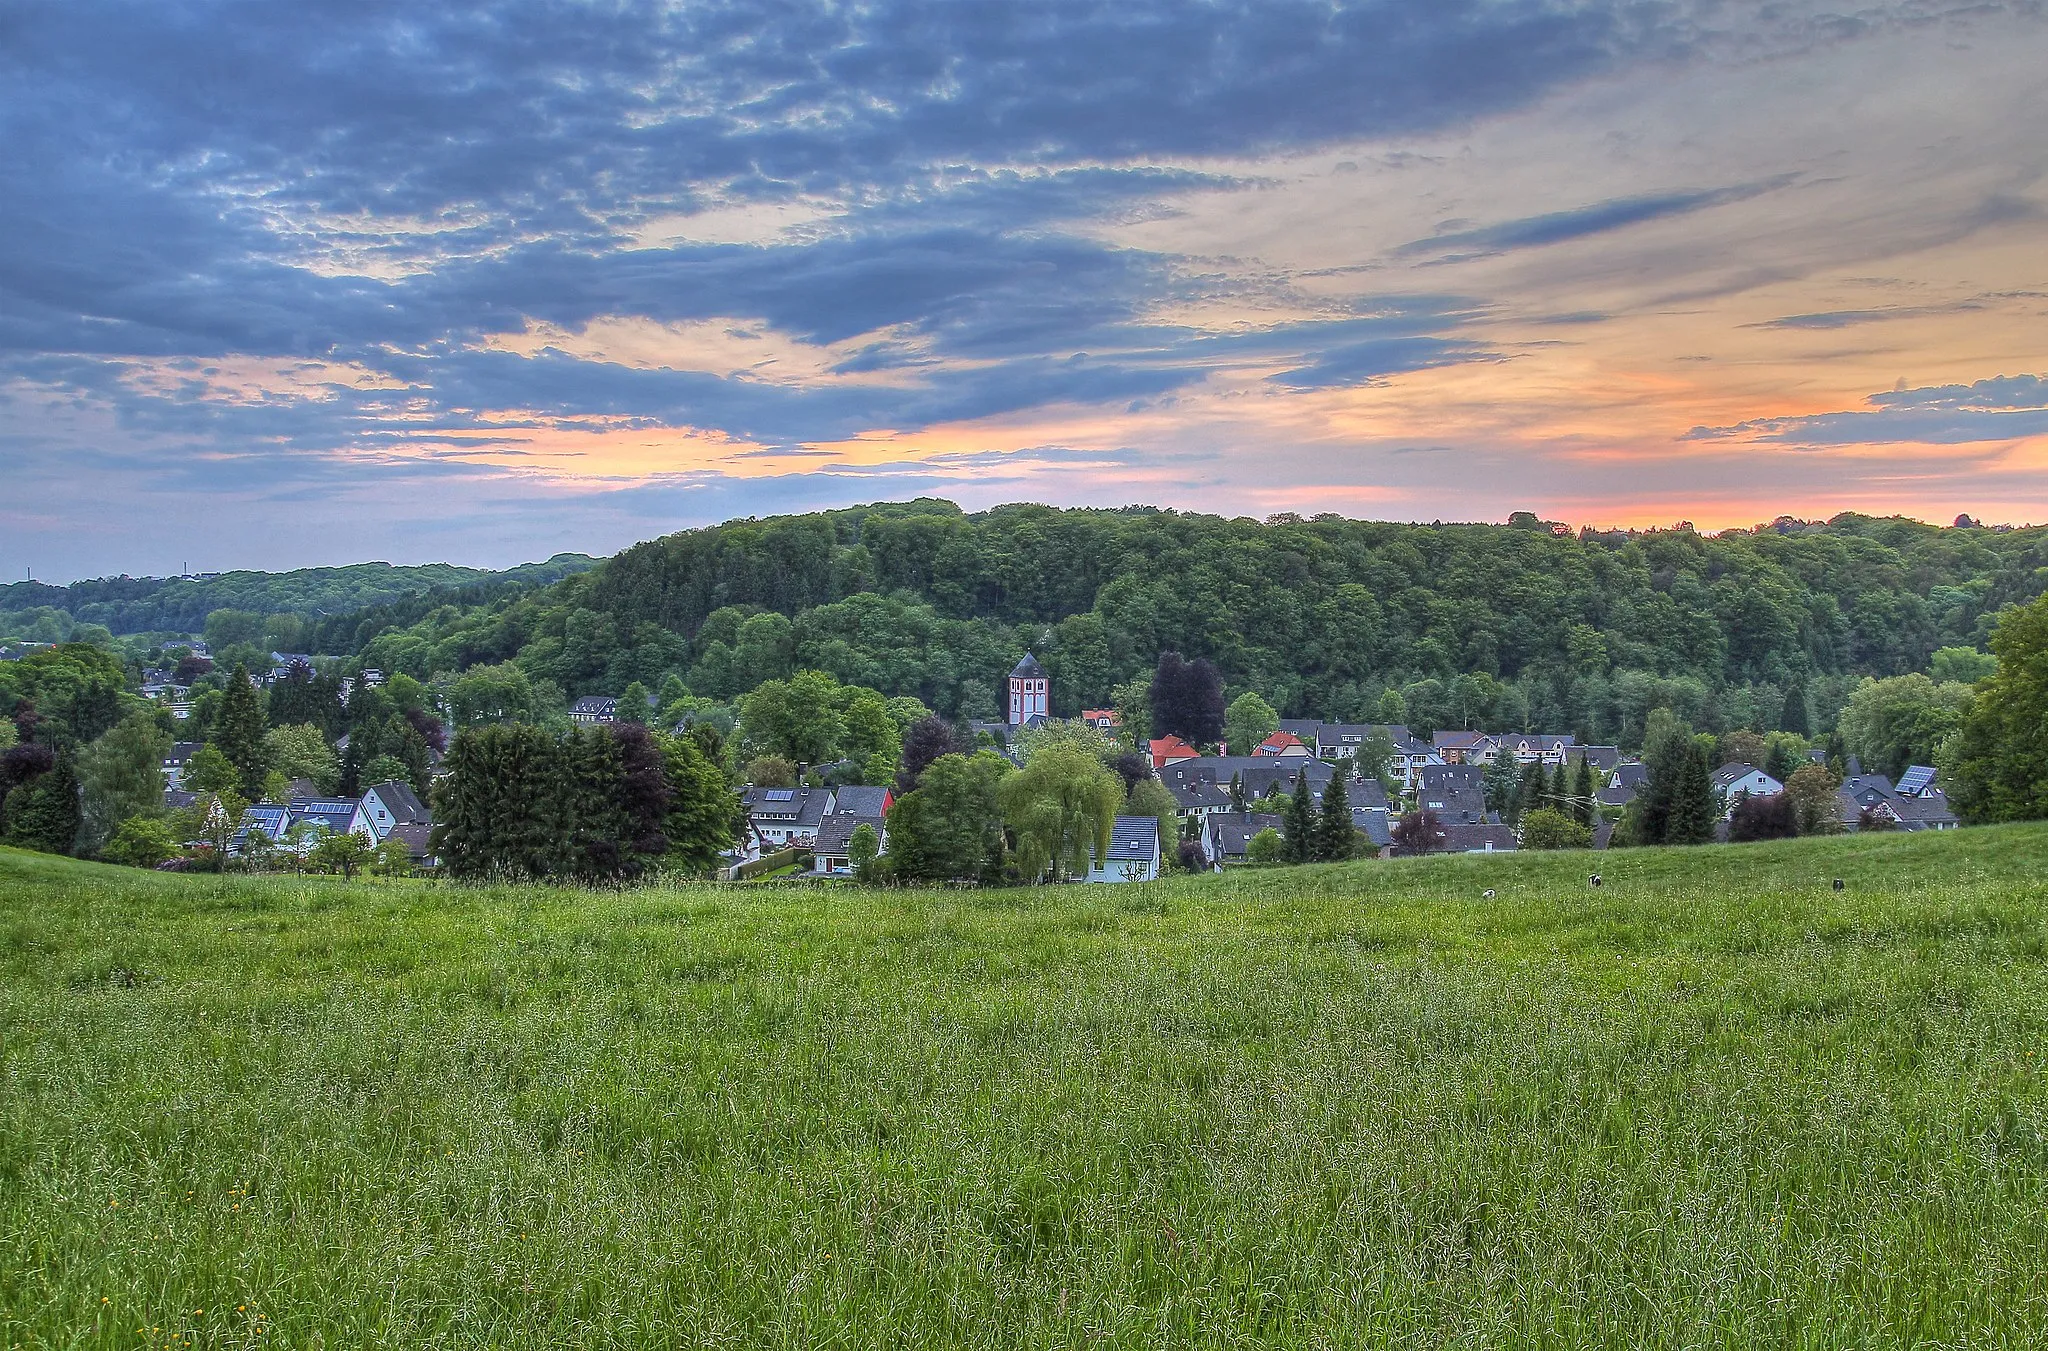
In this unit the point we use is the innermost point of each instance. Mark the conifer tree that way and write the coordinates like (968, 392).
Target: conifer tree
(1794, 718)
(1585, 794)
(1692, 807)
(1238, 801)
(1301, 822)
(401, 740)
(239, 730)
(1335, 838)
(350, 782)
(43, 813)
(1529, 790)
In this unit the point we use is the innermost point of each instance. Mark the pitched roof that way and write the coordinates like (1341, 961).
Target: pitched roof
(403, 804)
(1279, 743)
(793, 808)
(835, 832)
(1133, 839)
(1475, 838)
(1027, 669)
(1916, 780)
(183, 751)
(335, 814)
(1375, 823)
(1735, 771)
(1631, 776)
(1230, 832)
(417, 839)
(861, 801)
(1199, 794)
(1369, 793)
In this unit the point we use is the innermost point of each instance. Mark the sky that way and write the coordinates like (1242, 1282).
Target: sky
(286, 285)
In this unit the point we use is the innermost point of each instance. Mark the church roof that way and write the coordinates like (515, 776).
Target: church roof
(1028, 669)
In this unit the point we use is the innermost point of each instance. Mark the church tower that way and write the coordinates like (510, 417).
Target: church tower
(1030, 692)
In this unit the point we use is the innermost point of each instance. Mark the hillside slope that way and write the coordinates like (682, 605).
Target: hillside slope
(1469, 625)
(1713, 1102)
(181, 604)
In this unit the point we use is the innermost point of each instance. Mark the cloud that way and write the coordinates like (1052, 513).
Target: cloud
(2005, 408)
(1558, 227)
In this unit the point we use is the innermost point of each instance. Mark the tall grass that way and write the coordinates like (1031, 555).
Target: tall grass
(1714, 1102)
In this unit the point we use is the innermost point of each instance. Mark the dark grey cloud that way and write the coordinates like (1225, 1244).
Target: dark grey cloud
(2001, 409)
(1460, 244)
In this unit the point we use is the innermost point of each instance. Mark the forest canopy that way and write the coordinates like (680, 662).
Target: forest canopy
(1496, 627)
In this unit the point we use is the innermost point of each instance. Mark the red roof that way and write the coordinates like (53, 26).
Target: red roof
(1279, 744)
(1172, 748)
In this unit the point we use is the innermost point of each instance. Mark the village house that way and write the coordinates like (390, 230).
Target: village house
(1455, 794)
(1102, 719)
(594, 710)
(1281, 744)
(1133, 852)
(178, 760)
(1226, 836)
(781, 818)
(1738, 780)
(1258, 774)
(1528, 748)
(1926, 808)
(1168, 749)
(1464, 747)
(386, 806)
(832, 854)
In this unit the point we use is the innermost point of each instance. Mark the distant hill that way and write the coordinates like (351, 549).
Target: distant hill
(181, 604)
(1516, 627)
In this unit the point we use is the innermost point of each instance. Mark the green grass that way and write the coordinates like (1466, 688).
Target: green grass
(1714, 1103)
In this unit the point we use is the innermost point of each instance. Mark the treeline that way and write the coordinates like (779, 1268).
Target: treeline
(181, 605)
(595, 805)
(1492, 627)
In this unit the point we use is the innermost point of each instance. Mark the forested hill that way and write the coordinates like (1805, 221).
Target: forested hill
(1468, 624)
(181, 605)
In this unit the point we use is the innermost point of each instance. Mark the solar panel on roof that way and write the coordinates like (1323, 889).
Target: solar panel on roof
(1915, 780)
(781, 795)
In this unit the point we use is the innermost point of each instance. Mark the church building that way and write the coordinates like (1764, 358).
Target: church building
(1030, 693)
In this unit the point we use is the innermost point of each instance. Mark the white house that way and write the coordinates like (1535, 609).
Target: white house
(1133, 852)
(1736, 779)
(385, 807)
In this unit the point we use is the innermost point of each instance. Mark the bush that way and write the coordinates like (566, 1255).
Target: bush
(1763, 818)
(141, 842)
(1264, 847)
(1545, 828)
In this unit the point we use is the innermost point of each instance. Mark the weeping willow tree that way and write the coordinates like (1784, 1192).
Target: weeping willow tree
(1061, 808)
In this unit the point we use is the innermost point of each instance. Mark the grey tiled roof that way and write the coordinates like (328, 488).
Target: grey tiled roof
(1133, 839)
(835, 832)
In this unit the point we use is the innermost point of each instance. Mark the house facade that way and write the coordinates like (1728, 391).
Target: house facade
(1133, 852)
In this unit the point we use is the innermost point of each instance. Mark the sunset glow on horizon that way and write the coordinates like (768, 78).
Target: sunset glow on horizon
(485, 284)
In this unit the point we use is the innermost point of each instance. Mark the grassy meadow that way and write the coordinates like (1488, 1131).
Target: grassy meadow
(1713, 1103)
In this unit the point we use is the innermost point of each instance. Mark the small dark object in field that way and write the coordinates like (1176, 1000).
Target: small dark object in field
(1594, 879)
(1488, 893)
(1839, 884)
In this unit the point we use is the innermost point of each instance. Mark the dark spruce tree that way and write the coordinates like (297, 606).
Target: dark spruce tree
(1335, 835)
(238, 733)
(1299, 842)
(1585, 794)
(1692, 807)
(1793, 718)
